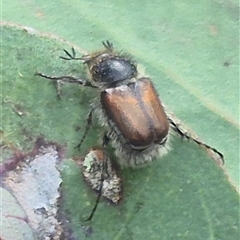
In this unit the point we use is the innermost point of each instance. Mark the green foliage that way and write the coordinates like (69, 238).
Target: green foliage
(190, 52)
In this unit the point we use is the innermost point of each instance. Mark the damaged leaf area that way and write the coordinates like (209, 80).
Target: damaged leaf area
(99, 172)
(34, 185)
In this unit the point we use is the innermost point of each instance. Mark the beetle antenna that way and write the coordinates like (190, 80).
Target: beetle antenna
(108, 45)
(71, 56)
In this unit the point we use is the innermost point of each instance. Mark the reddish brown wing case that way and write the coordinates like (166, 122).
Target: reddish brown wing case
(137, 112)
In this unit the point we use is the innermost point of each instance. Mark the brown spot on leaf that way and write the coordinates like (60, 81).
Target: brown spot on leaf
(213, 29)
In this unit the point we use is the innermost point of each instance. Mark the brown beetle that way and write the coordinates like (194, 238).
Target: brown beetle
(129, 106)
(138, 123)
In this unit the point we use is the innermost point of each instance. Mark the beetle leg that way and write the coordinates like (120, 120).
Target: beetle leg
(97, 201)
(88, 125)
(105, 140)
(179, 128)
(68, 79)
(103, 173)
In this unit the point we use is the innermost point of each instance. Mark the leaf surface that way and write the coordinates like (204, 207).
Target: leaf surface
(190, 52)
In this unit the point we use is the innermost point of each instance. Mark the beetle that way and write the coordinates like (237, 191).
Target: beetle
(138, 124)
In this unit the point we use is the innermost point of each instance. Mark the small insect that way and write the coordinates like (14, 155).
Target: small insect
(98, 171)
(138, 124)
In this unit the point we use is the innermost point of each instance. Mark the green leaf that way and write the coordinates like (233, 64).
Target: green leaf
(190, 52)
(13, 218)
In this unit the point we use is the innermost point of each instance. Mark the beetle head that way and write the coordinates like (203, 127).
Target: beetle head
(109, 68)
